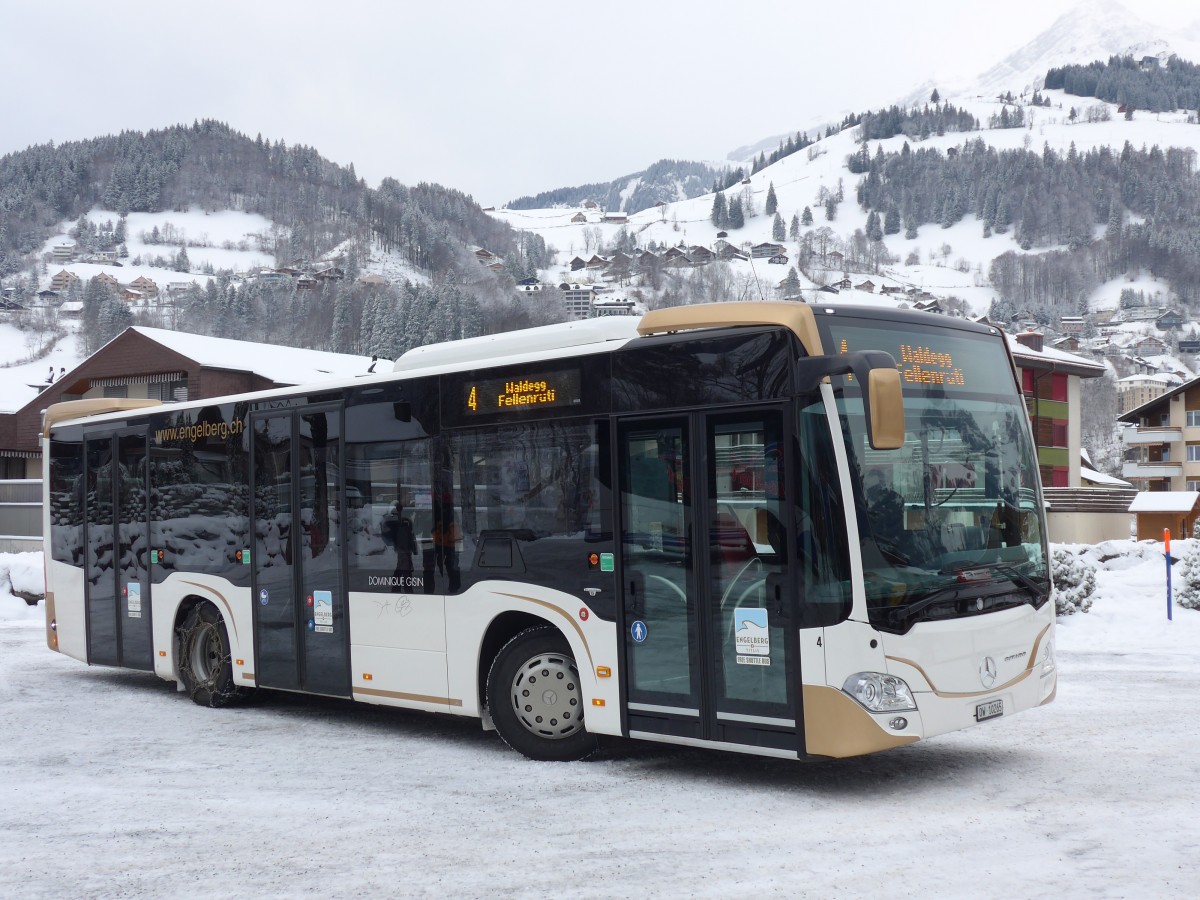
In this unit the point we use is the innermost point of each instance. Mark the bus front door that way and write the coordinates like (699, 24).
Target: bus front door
(117, 577)
(710, 649)
(301, 630)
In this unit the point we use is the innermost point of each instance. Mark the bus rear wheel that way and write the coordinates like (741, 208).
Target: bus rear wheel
(205, 666)
(535, 700)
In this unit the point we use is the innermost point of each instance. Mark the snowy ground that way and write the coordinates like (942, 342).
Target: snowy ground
(117, 786)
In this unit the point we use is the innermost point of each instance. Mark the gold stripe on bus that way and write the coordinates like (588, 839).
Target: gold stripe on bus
(796, 317)
(1025, 673)
(574, 624)
(415, 698)
(228, 617)
(51, 634)
(836, 726)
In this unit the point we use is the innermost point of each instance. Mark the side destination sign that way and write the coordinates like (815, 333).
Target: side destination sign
(538, 391)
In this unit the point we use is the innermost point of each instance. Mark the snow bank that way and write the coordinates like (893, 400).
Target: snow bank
(20, 572)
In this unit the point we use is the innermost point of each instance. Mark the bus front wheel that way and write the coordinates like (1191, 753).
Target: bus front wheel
(205, 666)
(535, 700)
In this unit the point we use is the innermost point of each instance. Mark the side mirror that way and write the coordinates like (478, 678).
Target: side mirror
(879, 379)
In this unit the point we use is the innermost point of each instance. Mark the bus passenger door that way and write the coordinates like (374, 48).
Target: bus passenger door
(300, 625)
(117, 576)
(709, 626)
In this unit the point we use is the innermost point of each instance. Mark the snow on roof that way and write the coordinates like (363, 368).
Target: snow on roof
(1050, 354)
(282, 365)
(1164, 501)
(1093, 477)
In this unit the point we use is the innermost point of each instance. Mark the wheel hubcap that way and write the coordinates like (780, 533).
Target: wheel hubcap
(205, 657)
(546, 698)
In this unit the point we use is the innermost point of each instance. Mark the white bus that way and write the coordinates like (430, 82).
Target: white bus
(773, 528)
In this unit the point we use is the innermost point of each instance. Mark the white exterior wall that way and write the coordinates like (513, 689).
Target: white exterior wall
(1088, 528)
(1074, 432)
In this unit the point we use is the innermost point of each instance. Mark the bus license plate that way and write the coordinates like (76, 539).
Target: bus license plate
(989, 710)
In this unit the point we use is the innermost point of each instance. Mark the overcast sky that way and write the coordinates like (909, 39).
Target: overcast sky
(495, 99)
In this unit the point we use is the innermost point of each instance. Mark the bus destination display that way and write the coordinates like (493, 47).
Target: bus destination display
(544, 390)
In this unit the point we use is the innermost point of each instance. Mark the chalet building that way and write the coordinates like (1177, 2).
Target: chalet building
(485, 257)
(722, 234)
(130, 295)
(615, 218)
(646, 259)
(673, 253)
(891, 289)
(1187, 345)
(108, 279)
(1162, 449)
(577, 300)
(590, 204)
(1150, 346)
(331, 273)
(868, 286)
(578, 219)
(597, 262)
(72, 309)
(1170, 320)
(155, 364)
(766, 251)
(1138, 390)
(577, 263)
(1072, 325)
(373, 279)
(49, 297)
(700, 256)
(306, 283)
(778, 260)
(529, 285)
(145, 285)
(1069, 344)
(835, 259)
(61, 253)
(63, 281)
(844, 283)
(678, 260)
(611, 307)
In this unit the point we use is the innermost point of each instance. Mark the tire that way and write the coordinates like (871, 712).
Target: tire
(541, 722)
(205, 667)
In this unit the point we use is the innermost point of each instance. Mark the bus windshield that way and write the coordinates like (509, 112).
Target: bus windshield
(950, 525)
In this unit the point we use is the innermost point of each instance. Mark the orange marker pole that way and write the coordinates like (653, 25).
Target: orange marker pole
(1167, 547)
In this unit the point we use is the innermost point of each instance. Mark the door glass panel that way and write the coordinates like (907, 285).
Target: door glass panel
(320, 569)
(656, 547)
(133, 607)
(749, 559)
(101, 582)
(273, 552)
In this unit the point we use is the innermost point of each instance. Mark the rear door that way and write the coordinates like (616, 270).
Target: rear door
(117, 583)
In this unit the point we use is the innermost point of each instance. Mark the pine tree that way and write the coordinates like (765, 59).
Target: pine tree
(778, 231)
(891, 221)
(719, 215)
(806, 217)
(736, 217)
(772, 202)
(794, 227)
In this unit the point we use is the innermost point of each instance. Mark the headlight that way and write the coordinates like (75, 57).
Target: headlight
(879, 692)
(1048, 663)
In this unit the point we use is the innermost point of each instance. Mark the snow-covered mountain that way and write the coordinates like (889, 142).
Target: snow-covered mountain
(1090, 31)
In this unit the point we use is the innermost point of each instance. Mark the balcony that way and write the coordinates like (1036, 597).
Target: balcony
(1151, 434)
(1160, 469)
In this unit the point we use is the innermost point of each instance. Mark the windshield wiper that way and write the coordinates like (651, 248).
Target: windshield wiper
(909, 611)
(1033, 588)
